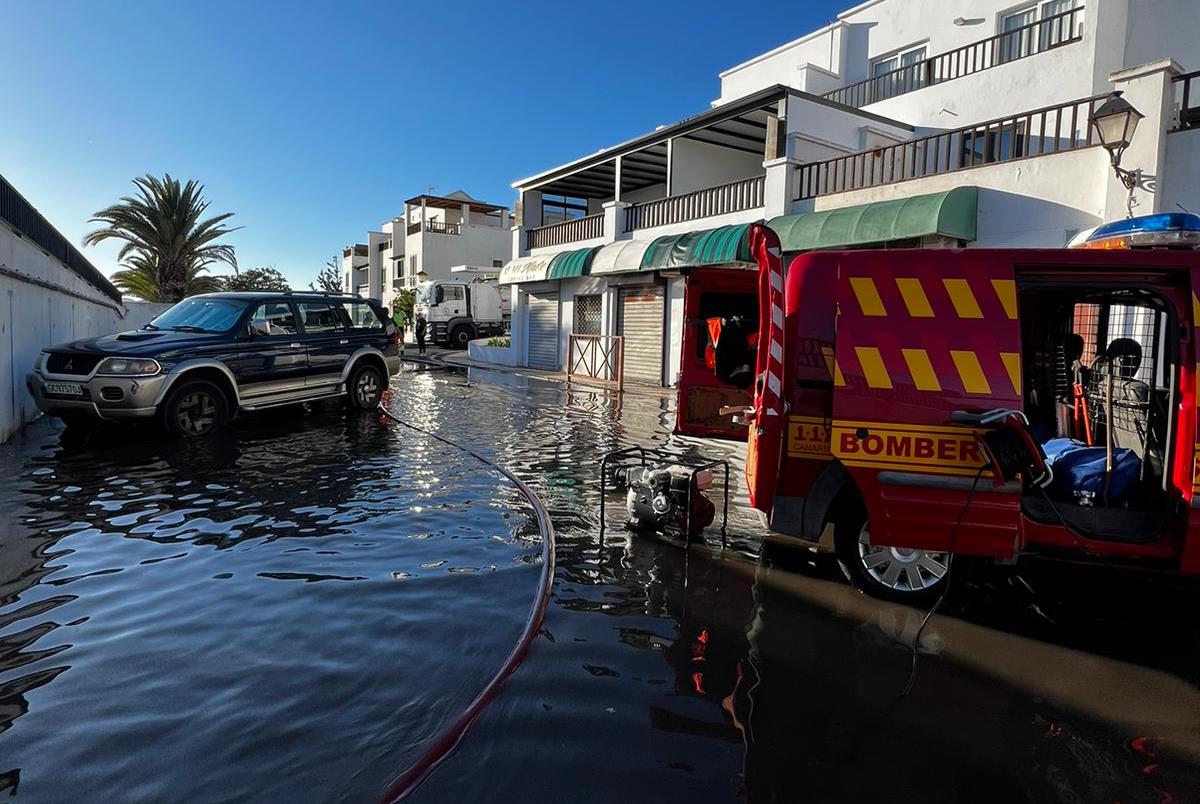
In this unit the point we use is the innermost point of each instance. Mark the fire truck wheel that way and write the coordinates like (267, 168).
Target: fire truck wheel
(891, 573)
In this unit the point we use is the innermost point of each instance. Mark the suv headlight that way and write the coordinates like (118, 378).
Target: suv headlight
(128, 366)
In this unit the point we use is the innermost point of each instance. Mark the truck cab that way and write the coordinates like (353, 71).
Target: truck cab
(876, 373)
(460, 311)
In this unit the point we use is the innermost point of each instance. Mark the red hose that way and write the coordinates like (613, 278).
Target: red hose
(445, 744)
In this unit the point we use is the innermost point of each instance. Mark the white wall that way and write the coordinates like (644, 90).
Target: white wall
(33, 317)
(697, 165)
(1180, 187)
(785, 65)
(1163, 29)
(816, 126)
(1033, 203)
(477, 245)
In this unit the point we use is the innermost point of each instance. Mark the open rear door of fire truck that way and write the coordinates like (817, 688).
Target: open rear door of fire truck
(768, 421)
(717, 363)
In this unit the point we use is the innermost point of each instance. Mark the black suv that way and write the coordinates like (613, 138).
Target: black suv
(208, 357)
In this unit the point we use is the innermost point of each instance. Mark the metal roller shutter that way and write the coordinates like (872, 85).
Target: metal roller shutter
(543, 331)
(640, 320)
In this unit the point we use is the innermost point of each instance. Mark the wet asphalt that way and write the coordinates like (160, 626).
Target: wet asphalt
(294, 609)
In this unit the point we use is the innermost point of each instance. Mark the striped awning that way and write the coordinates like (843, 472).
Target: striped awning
(721, 246)
(570, 264)
(526, 269)
(622, 257)
(952, 214)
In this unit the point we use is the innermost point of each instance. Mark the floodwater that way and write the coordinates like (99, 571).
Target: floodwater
(292, 610)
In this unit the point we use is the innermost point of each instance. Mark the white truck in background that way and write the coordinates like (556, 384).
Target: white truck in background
(459, 310)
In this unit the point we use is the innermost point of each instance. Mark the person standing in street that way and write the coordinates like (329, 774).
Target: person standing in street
(421, 324)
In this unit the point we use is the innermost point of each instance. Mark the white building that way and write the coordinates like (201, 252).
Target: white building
(902, 123)
(434, 235)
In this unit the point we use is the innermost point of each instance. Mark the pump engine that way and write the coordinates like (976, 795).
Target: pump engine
(657, 499)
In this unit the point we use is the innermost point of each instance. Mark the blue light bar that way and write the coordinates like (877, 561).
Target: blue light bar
(1165, 230)
(1166, 222)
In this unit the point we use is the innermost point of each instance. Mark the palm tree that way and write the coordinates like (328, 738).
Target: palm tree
(167, 246)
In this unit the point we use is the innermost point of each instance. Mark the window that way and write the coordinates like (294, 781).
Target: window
(587, 315)
(559, 208)
(320, 318)
(898, 73)
(984, 146)
(497, 263)
(362, 316)
(1021, 36)
(412, 265)
(452, 292)
(273, 318)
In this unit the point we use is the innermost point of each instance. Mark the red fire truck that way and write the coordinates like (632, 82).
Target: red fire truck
(882, 380)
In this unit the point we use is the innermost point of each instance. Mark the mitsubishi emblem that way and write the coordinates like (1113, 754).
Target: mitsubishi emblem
(70, 364)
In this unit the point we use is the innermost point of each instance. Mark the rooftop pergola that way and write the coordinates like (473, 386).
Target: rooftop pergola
(645, 161)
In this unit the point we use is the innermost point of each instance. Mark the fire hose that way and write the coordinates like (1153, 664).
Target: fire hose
(448, 740)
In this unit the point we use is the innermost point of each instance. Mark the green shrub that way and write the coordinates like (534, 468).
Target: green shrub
(503, 342)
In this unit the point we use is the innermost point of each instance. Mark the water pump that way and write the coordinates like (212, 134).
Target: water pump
(666, 494)
(657, 499)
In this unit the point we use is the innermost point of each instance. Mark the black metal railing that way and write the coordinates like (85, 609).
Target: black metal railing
(572, 231)
(735, 196)
(1049, 130)
(436, 227)
(1187, 102)
(21, 216)
(1019, 43)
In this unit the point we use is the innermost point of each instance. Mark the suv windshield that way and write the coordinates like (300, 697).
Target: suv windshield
(201, 315)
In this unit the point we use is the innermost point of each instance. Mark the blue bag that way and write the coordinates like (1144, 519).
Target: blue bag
(1078, 467)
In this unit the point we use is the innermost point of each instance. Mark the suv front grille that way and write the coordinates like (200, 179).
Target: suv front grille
(69, 363)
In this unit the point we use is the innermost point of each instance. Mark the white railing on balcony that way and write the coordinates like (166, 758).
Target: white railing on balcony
(572, 231)
(736, 196)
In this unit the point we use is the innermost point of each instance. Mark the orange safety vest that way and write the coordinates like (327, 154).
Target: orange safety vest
(714, 335)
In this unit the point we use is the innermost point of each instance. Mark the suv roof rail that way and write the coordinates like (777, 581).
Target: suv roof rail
(321, 293)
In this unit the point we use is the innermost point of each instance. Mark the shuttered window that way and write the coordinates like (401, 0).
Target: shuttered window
(641, 323)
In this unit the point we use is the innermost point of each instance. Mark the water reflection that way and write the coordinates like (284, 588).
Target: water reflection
(283, 611)
(699, 675)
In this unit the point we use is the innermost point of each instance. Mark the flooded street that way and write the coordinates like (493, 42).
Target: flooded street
(294, 609)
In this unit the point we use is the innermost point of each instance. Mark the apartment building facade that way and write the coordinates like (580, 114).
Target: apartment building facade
(433, 236)
(903, 123)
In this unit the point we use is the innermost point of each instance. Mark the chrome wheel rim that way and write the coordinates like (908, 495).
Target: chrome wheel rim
(367, 388)
(898, 568)
(196, 413)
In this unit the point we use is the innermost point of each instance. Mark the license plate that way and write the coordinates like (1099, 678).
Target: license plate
(64, 388)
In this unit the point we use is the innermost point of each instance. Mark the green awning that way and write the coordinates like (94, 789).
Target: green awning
(726, 244)
(569, 264)
(952, 214)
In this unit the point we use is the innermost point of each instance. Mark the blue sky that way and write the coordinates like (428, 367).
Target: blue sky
(314, 121)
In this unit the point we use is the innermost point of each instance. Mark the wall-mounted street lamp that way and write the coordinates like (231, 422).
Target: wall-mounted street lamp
(1115, 123)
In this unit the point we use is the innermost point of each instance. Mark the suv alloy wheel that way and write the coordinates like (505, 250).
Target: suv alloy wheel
(365, 388)
(194, 408)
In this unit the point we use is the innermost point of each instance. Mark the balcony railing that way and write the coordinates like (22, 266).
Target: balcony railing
(1050, 130)
(1187, 101)
(572, 231)
(733, 197)
(1019, 43)
(436, 227)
